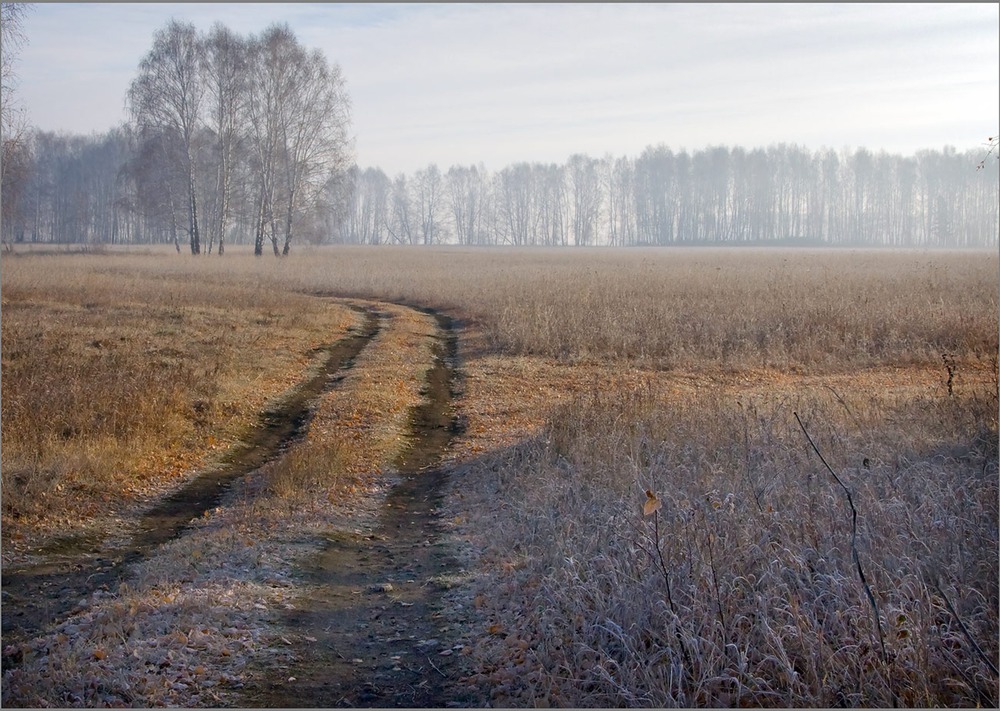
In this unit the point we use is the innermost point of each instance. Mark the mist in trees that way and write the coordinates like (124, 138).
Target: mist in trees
(783, 194)
(117, 189)
(15, 159)
(244, 139)
(227, 137)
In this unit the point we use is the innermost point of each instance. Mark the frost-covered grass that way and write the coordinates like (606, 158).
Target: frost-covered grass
(741, 589)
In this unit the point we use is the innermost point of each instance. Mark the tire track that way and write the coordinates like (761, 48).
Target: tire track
(370, 627)
(37, 596)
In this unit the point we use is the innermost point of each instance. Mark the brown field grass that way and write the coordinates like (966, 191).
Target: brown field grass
(800, 310)
(205, 604)
(116, 386)
(815, 310)
(588, 378)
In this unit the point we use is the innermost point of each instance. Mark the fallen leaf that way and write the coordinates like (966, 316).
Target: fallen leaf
(652, 505)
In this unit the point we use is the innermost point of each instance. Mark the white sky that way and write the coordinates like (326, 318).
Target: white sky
(494, 83)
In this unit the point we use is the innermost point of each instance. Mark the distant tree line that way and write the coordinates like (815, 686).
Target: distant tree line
(117, 189)
(782, 194)
(245, 140)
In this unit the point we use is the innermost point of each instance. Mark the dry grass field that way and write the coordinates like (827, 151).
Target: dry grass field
(701, 477)
(115, 385)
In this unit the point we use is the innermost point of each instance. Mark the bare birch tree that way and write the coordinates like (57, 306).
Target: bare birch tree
(400, 221)
(224, 74)
(264, 96)
(314, 117)
(463, 202)
(12, 39)
(428, 190)
(369, 205)
(166, 98)
(585, 191)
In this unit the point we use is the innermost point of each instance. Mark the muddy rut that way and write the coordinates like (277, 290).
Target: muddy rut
(369, 631)
(35, 597)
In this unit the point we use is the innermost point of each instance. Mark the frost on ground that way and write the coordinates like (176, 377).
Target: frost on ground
(183, 627)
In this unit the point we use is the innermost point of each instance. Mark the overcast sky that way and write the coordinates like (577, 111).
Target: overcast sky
(493, 83)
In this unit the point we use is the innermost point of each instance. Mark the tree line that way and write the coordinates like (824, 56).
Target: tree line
(112, 189)
(244, 140)
(781, 194)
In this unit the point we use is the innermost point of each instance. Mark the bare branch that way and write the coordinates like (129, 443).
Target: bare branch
(854, 537)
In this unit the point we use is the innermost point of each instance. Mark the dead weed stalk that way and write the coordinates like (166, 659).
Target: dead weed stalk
(854, 538)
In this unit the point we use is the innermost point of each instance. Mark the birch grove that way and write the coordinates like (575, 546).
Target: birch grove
(220, 109)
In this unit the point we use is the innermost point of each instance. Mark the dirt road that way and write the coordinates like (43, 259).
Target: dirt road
(370, 620)
(365, 628)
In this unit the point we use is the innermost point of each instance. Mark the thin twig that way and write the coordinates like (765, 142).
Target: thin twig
(844, 404)
(666, 579)
(431, 662)
(718, 594)
(965, 631)
(854, 537)
(663, 565)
